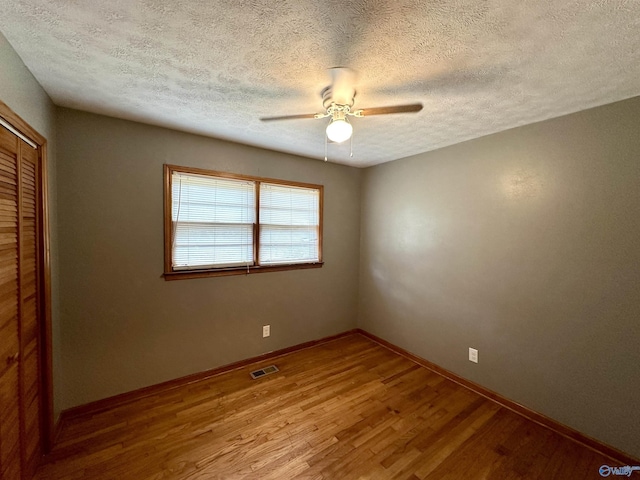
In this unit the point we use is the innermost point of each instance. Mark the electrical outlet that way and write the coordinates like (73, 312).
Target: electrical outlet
(473, 355)
(266, 331)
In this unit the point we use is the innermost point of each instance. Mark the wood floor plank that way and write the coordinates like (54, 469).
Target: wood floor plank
(348, 409)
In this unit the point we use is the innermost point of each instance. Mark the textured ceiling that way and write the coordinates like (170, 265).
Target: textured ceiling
(215, 67)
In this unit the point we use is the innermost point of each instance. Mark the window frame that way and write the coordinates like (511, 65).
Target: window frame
(171, 274)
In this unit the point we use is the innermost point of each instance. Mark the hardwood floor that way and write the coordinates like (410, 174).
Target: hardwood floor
(347, 409)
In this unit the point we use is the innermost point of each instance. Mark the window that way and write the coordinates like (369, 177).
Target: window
(224, 224)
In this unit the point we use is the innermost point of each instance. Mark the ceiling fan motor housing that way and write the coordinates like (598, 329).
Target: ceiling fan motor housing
(328, 97)
(338, 112)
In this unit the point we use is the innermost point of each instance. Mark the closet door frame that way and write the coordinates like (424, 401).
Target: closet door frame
(44, 277)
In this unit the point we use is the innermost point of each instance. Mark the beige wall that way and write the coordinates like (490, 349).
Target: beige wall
(524, 245)
(123, 326)
(24, 95)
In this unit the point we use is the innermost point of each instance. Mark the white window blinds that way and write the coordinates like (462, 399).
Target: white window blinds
(289, 224)
(213, 221)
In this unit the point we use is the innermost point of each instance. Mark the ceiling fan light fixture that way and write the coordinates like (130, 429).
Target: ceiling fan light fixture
(339, 130)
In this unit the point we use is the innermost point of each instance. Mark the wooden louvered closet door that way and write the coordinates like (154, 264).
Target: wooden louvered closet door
(20, 396)
(10, 452)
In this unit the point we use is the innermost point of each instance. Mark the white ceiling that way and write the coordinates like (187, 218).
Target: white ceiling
(215, 67)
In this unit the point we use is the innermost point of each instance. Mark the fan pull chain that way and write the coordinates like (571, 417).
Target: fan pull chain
(325, 148)
(351, 146)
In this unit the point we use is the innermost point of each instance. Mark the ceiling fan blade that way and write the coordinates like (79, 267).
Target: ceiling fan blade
(414, 107)
(288, 117)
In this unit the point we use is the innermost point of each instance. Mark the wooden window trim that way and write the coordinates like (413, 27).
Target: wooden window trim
(170, 274)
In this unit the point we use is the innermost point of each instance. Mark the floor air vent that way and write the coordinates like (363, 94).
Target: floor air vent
(264, 371)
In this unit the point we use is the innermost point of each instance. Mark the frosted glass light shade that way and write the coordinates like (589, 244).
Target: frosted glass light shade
(339, 131)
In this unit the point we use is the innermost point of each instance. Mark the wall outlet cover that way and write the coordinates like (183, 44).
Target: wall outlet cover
(473, 355)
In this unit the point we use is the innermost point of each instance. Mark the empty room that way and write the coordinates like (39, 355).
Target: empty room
(319, 239)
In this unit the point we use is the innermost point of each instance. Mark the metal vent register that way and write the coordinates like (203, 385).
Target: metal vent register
(264, 371)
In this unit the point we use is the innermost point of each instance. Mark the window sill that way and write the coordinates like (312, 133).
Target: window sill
(224, 272)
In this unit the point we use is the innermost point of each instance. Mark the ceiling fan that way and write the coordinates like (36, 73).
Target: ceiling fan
(338, 100)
